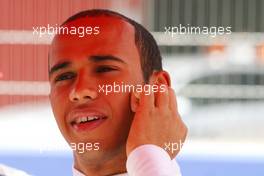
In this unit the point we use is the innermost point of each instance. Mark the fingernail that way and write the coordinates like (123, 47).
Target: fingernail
(137, 94)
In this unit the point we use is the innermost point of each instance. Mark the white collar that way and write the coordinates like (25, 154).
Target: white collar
(6, 170)
(75, 172)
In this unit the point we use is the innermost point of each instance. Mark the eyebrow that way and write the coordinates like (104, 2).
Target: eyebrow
(106, 58)
(98, 58)
(59, 66)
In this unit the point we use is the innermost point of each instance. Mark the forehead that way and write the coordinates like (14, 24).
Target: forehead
(116, 37)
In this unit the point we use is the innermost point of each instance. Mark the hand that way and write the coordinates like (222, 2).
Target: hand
(157, 122)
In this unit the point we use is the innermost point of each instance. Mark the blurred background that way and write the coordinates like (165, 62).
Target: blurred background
(219, 82)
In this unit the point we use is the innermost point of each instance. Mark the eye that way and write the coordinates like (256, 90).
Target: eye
(65, 76)
(103, 69)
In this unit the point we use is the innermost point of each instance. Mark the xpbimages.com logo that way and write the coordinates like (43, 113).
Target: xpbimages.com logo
(80, 31)
(125, 88)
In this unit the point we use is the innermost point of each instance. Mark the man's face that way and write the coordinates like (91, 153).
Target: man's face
(80, 65)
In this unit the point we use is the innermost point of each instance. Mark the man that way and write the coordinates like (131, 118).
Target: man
(123, 132)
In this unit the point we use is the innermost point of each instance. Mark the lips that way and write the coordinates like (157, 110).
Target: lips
(86, 120)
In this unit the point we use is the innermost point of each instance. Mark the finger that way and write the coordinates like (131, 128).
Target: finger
(172, 100)
(162, 96)
(146, 98)
(134, 101)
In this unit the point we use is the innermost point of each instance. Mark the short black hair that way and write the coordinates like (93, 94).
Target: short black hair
(148, 49)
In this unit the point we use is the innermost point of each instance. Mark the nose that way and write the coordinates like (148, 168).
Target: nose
(83, 91)
(82, 95)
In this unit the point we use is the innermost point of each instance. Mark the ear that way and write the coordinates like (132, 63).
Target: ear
(160, 77)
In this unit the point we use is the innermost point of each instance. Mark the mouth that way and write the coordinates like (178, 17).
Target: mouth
(87, 122)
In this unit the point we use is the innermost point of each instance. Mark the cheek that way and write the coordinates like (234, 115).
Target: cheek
(121, 112)
(58, 99)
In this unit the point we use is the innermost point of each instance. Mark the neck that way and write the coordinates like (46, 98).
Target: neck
(101, 164)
